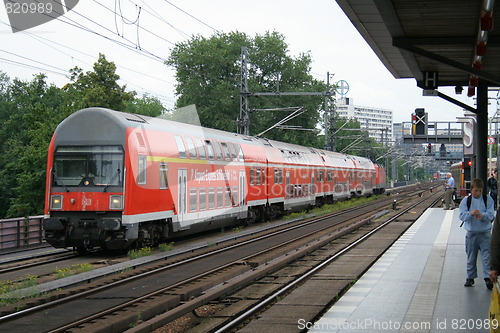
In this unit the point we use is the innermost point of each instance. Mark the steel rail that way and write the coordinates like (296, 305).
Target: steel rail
(272, 298)
(184, 262)
(199, 276)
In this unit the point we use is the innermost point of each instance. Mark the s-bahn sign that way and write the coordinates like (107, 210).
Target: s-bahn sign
(342, 87)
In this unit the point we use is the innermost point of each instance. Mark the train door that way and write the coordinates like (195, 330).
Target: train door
(182, 199)
(289, 189)
(313, 185)
(242, 191)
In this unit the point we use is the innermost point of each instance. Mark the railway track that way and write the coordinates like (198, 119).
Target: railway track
(21, 262)
(280, 293)
(188, 282)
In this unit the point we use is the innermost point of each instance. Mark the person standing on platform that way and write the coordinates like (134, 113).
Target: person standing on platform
(492, 186)
(476, 211)
(495, 250)
(449, 188)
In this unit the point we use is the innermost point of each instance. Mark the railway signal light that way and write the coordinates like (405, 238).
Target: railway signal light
(419, 120)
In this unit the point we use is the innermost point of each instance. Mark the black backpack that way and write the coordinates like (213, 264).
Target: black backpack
(469, 201)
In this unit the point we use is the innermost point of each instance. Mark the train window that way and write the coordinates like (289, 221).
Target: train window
(193, 199)
(218, 151)
(210, 149)
(203, 198)
(239, 152)
(252, 176)
(89, 165)
(329, 176)
(191, 148)
(225, 152)
(163, 175)
(276, 176)
(180, 146)
(141, 174)
(235, 196)
(257, 176)
(211, 197)
(228, 196)
(220, 197)
(313, 184)
(263, 174)
(201, 148)
(321, 176)
(280, 176)
(232, 151)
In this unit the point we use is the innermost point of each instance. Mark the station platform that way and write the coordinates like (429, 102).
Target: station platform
(416, 286)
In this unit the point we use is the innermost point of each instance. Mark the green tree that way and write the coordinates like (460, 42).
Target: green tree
(6, 108)
(208, 72)
(146, 106)
(30, 112)
(98, 88)
(35, 109)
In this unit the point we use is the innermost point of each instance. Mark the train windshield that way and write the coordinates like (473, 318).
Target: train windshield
(88, 166)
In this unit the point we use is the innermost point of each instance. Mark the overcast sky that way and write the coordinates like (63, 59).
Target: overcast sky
(316, 26)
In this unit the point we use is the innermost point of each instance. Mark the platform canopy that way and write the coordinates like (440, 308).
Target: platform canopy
(438, 43)
(455, 38)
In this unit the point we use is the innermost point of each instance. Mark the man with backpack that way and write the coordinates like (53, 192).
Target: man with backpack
(476, 212)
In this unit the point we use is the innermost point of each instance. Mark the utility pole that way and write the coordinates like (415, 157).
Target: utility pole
(244, 118)
(328, 119)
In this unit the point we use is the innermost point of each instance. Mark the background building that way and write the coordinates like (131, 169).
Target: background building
(377, 121)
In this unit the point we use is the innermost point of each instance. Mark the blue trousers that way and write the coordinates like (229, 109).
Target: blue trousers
(475, 242)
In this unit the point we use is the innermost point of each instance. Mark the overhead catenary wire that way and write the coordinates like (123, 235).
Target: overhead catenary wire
(188, 14)
(100, 30)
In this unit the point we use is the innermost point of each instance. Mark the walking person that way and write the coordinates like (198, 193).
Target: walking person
(449, 188)
(495, 250)
(492, 186)
(476, 211)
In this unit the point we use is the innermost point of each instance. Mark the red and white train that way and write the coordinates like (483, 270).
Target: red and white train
(116, 180)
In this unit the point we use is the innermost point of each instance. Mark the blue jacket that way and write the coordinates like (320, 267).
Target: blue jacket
(471, 223)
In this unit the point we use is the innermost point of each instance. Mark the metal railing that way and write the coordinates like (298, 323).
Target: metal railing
(21, 232)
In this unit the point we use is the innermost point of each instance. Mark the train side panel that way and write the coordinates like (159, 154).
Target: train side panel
(381, 180)
(116, 180)
(462, 175)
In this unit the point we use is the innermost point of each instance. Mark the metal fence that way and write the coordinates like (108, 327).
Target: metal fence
(21, 232)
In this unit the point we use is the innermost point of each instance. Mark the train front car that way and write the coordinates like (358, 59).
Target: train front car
(85, 182)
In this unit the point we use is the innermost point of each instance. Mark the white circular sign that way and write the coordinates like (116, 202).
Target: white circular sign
(342, 87)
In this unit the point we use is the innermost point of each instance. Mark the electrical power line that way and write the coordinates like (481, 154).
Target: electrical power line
(122, 41)
(182, 10)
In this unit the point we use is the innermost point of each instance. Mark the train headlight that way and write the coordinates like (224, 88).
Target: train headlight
(56, 202)
(115, 202)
